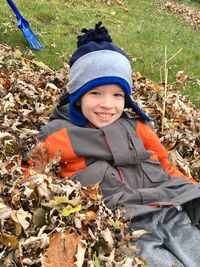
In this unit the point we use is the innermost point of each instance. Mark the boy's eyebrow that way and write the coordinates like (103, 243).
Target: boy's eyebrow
(120, 90)
(96, 88)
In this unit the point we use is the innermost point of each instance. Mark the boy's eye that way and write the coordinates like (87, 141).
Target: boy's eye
(119, 95)
(95, 93)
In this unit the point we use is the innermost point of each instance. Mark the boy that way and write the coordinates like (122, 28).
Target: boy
(100, 143)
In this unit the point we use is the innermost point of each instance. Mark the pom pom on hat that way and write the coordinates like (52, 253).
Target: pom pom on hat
(94, 40)
(98, 62)
(98, 35)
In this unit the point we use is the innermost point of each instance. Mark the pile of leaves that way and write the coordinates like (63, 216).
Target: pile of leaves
(46, 221)
(49, 222)
(180, 132)
(188, 14)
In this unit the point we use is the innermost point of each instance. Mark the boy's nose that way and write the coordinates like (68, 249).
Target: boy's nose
(107, 102)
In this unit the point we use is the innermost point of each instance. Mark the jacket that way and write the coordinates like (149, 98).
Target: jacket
(126, 158)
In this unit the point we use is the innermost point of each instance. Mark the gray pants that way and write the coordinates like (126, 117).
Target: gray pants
(172, 239)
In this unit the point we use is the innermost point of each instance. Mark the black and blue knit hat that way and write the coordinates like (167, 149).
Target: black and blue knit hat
(98, 62)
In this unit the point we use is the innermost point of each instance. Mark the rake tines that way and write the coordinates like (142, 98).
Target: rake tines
(34, 43)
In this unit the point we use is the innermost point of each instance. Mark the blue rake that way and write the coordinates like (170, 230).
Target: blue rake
(23, 25)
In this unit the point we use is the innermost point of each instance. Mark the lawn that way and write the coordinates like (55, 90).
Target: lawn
(141, 27)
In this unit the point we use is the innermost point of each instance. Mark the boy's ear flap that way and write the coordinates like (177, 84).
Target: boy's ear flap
(64, 99)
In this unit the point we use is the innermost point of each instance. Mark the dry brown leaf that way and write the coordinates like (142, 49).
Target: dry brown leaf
(107, 236)
(2, 184)
(17, 53)
(90, 216)
(138, 233)
(93, 192)
(18, 227)
(80, 254)
(112, 2)
(9, 240)
(181, 77)
(154, 87)
(39, 156)
(62, 250)
(5, 211)
(42, 65)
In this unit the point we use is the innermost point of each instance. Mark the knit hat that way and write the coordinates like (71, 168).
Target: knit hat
(98, 62)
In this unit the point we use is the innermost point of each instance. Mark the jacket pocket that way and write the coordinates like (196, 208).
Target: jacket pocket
(112, 181)
(153, 173)
(112, 188)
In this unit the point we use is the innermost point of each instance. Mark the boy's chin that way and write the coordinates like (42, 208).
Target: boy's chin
(103, 124)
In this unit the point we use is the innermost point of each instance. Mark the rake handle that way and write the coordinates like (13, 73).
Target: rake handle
(14, 8)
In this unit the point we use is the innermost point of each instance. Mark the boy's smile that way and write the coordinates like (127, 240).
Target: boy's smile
(103, 105)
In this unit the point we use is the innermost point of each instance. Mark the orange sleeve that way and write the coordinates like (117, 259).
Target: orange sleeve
(60, 141)
(152, 143)
(56, 144)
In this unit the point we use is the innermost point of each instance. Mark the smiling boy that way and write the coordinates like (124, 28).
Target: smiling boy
(103, 105)
(100, 143)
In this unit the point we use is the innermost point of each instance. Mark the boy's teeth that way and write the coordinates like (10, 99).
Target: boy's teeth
(105, 115)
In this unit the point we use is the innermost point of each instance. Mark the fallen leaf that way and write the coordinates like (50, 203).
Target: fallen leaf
(42, 65)
(39, 155)
(9, 240)
(69, 210)
(181, 77)
(89, 217)
(135, 235)
(93, 192)
(154, 87)
(24, 218)
(81, 253)
(5, 211)
(107, 236)
(64, 199)
(39, 217)
(18, 228)
(62, 250)
(17, 53)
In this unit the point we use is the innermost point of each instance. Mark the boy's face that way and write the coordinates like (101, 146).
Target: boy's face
(103, 105)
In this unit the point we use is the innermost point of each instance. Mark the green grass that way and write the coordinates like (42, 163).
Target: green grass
(138, 26)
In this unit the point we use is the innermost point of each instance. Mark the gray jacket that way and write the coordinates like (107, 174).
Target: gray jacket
(116, 158)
